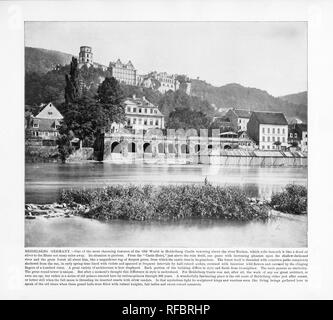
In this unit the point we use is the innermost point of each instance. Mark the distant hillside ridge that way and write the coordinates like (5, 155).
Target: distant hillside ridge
(42, 60)
(235, 95)
(296, 98)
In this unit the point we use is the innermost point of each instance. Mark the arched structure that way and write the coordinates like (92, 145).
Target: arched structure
(147, 148)
(115, 147)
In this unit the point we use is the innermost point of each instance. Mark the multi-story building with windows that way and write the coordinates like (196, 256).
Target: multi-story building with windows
(141, 115)
(238, 118)
(269, 130)
(167, 82)
(46, 123)
(124, 73)
(298, 135)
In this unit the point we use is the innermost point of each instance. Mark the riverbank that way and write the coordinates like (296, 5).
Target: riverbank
(173, 202)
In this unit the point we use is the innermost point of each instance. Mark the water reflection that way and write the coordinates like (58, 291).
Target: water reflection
(43, 181)
(77, 231)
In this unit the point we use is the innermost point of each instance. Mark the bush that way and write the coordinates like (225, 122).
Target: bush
(165, 202)
(293, 199)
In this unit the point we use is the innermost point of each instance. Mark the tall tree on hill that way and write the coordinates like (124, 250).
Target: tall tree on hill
(109, 98)
(72, 87)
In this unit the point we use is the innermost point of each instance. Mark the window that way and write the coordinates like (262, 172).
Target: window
(140, 110)
(145, 122)
(128, 121)
(268, 139)
(140, 121)
(278, 130)
(278, 138)
(295, 135)
(283, 139)
(134, 120)
(268, 130)
(283, 131)
(290, 135)
(36, 124)
(145, 110)
(151, 122)
(263, 139)
(50, 113)
(268, 147)
(263, 147)
(151, 110)
(273, 139)
(156, 122)
(273, 130)
(155, 111)
(263, 130)
(239, 120)
(134, 109)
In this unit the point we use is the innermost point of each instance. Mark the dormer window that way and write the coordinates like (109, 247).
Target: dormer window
(36, 125)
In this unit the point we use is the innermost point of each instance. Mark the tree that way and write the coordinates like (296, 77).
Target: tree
(277, 144)
(110, 97)
(185, 118)
(72, 87)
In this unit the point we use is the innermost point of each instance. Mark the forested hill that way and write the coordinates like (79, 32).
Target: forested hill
(235, 95)
(42, 60)
(296, 98)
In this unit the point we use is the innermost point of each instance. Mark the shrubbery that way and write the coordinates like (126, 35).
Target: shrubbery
(165, 202)
(293, 199)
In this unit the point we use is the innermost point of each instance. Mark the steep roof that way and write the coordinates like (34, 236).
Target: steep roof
(241, 113)
(276, 118)
(50, 112)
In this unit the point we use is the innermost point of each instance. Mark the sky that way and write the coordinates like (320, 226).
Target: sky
(270, 56)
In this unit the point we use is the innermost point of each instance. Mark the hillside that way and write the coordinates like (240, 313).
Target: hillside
(42, 60)
(296, 98)
(235, 95)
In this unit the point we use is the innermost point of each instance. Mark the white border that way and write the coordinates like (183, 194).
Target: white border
(320, 26)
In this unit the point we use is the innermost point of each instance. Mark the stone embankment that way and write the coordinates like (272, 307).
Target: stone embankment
(54, 210)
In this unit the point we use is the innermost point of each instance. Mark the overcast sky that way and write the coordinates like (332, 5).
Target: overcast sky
(271, 56)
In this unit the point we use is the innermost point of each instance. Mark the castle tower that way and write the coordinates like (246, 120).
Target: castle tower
(85, 56)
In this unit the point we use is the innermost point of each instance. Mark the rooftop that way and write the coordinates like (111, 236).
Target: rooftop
(242, 113)
(276, 118)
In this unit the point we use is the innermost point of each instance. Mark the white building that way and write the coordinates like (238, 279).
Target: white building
(123, 72)
(47, 122)
(238, 118)
(141, 115)
(167, 82)
(269, 130)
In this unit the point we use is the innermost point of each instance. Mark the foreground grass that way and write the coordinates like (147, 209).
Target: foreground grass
(164, 202)
(293, 199)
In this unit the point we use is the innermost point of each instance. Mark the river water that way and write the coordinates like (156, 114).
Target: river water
(44, 181)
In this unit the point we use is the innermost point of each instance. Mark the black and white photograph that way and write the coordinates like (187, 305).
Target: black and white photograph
(162, 134)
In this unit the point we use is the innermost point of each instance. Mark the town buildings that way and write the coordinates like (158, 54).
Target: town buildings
(46, 123)
(141, 115)
(123, 72)
(298, 136)
(167, 82)
(160, 81)
(238, 118)
(269, 130)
